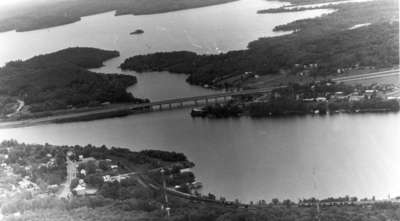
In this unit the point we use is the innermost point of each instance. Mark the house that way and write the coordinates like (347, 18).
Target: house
(321, 99)
(83, 172)
(107, 178)
(369, 93)
(393, 98)
(308, 99)
(70, 153)
(197, 185)
(185, 170)
(354, 98)
(114, 167)
(28, 185)
(80, 190)
(339, 95)
(3, 156)
(49, 155)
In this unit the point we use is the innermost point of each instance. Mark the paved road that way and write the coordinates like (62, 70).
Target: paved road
(368, 76)
(129, 107)
(71, 174)
(21, 104)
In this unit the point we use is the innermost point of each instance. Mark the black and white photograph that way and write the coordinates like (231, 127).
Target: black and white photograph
(199, 110)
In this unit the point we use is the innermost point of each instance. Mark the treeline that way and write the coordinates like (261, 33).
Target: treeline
(128, 159)
(367, 105)
(44, 14)
(326, 41)
(283, 107)
(60, 80)
(164, 155)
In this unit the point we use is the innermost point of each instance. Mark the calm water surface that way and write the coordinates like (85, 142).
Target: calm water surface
(238, 158)
(256, 159)
(213, 29)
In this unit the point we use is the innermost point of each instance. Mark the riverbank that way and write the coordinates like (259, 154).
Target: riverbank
(315, 98)
(126, 183)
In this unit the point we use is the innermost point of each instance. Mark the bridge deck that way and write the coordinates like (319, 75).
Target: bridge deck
(203, 97)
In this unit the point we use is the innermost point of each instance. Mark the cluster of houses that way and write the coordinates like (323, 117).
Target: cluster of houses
(13, 183)
(375, 91)
(83, 189)
(51, 163)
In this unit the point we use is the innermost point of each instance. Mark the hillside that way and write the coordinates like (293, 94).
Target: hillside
(328, 43)
(60, 80)
(54, 13)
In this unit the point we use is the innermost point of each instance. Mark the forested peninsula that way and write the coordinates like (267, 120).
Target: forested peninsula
(319, 46)
(45, 14)
(60, 80)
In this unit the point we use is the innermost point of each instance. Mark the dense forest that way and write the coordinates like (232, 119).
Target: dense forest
(44, 14)
(328, 42)
(61, 79)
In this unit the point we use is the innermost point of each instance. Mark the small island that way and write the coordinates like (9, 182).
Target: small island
(137, 32)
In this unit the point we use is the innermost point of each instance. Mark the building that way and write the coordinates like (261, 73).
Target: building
(354, 98)
(321, 99)
(107, 178)
(83, 172)
(185, 170)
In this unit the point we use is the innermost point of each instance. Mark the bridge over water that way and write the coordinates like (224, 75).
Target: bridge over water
(106, 112)
(220, 97)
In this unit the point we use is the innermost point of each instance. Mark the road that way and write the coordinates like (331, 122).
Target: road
(21, 104)
(127, 107)
(71, 174)
(380, 74)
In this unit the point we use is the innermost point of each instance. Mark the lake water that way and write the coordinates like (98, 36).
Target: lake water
(256, 159)
(213, 29)
(237, 158)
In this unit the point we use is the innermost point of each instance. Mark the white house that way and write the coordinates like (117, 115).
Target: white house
(185, 170)
(83, 172)
(107, 178)
(321, 99)
(80, 190)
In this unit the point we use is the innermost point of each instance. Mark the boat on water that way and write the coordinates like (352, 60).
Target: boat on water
(137, 32)
(198, 112)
